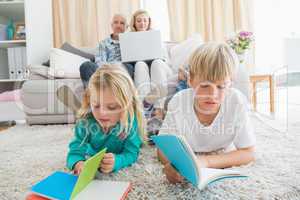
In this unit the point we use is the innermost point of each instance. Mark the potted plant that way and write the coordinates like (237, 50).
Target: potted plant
(240, 43)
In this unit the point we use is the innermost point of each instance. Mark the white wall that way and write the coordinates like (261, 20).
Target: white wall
(39, 33)
(291, 49)
(275, 20)
(3, 20)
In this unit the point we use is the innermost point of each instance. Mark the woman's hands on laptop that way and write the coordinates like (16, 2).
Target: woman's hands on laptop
(107, 163)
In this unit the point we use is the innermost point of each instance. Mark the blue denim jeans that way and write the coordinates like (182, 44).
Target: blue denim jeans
(88, 68)
(181, 85)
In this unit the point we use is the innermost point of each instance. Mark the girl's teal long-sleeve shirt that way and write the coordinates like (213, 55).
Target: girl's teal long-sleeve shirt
(89, 139)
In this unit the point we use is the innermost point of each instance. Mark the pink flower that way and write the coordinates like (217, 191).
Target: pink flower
(245, 34)
(241, 41)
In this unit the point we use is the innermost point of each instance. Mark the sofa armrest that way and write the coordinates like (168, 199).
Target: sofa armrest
(39, 72)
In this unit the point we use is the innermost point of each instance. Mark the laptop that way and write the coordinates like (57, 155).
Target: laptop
(140, 46)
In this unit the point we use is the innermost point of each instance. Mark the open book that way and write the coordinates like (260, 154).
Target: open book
(65, 186)
(183, 159)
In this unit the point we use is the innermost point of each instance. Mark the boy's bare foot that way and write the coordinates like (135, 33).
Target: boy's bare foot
(159, 113)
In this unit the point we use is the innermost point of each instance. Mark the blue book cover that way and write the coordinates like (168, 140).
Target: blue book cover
(181, 156)
(178, 156)
(58, 185)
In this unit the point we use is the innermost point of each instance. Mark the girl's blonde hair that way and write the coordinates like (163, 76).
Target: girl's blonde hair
(122, 87)
(134, 16)
(213, 62)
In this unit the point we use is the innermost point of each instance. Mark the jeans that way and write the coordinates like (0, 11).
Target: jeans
(181, 85)
(130, 69)
(88, 68)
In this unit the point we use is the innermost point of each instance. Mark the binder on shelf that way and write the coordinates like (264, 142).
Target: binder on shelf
(24, 63)
(18, 59)
(17, 62)
(11, 63)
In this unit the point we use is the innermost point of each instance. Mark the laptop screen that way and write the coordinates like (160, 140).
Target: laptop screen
(140, 46)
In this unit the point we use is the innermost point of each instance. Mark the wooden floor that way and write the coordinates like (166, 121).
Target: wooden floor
(5, 126)
(2, 128)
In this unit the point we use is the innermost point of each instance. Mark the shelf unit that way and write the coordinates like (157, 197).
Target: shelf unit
(12, 43)
(14, 10)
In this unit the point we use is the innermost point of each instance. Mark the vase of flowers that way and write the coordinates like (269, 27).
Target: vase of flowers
(240, 43)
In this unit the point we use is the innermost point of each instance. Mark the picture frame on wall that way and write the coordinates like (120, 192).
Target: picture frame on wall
(20, 31)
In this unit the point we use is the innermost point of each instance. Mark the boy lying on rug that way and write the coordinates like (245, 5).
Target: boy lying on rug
(110, 117)
(210, 115)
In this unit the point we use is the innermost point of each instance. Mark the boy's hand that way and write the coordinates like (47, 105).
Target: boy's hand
(172, 175)
(107, 163)
(78, 167)
(202, 161)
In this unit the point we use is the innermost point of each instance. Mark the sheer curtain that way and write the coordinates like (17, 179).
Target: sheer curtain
(158, 10)
(85, 23)
(213, 19)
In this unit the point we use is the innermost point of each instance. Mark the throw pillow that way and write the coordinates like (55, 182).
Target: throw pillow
(64, 64)
(71, 49)
(179, 53)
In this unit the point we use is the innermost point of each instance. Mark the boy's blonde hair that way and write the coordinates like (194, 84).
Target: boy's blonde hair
(122, 87)
(137, 13)
(213, 62)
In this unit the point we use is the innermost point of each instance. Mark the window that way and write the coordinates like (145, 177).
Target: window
(275, 20)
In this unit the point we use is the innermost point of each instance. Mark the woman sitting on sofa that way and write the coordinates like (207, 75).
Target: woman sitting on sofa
(150, 76)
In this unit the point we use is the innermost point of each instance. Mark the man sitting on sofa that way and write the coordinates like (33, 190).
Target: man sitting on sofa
(108, 51)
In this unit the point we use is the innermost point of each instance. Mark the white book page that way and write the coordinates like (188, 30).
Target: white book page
(209, 174)
(108, 190)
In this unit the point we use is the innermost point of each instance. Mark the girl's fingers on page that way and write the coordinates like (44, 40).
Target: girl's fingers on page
(108, 160)
(106, 168)
(108, 155)
(77, 171)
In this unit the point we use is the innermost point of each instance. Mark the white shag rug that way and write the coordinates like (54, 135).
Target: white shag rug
(29, 153)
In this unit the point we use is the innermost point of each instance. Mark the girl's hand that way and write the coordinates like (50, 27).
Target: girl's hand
(78, 167)
(107, 163)
(172, 175)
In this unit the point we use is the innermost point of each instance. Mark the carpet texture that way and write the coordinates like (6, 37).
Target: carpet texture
(29, 153)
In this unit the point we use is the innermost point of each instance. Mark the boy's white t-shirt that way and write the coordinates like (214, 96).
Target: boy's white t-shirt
(230, 127)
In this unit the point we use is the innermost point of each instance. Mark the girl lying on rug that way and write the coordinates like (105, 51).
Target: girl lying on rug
(110, 117)
(210, 115)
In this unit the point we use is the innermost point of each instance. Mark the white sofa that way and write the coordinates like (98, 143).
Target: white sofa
(39, 98)
(42, 106)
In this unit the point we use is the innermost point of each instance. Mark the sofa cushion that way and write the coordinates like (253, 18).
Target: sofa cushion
(179, 53)
(64, 64)
(71, 49)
